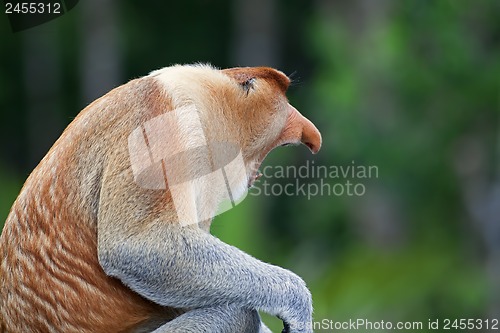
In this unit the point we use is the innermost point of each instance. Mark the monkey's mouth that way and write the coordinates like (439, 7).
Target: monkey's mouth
(297, 129)
(255, 173)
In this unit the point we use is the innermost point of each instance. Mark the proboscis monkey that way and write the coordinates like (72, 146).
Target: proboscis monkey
(110, 232)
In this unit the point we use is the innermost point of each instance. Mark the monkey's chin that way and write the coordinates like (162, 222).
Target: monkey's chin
(253, 178)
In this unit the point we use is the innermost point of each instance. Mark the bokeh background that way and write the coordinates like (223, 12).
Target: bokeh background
(409, 86)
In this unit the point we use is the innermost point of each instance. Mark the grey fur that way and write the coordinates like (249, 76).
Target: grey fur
(186, 267)
(221, 319)
(196, 270)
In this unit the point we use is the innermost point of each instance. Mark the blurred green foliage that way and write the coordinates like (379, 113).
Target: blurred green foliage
(411, 87)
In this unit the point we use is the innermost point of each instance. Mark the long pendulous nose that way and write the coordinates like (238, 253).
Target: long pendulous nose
(300, 129)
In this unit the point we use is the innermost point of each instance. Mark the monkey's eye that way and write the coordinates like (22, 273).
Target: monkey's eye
(247, 85)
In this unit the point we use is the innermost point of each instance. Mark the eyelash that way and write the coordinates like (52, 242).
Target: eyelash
(248, 84)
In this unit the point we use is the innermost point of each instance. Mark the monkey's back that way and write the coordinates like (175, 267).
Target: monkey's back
(50, 277)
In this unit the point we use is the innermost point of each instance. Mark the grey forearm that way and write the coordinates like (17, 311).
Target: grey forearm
(194, 269)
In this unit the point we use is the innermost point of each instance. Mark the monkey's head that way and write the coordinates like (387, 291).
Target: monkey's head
(242, 107)
(216, 120)
(266, 119)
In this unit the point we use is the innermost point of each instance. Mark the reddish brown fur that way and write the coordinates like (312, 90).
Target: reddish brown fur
(49, 266)
(242, 74)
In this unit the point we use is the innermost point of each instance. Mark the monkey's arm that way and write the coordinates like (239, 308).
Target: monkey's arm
(186, 267)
